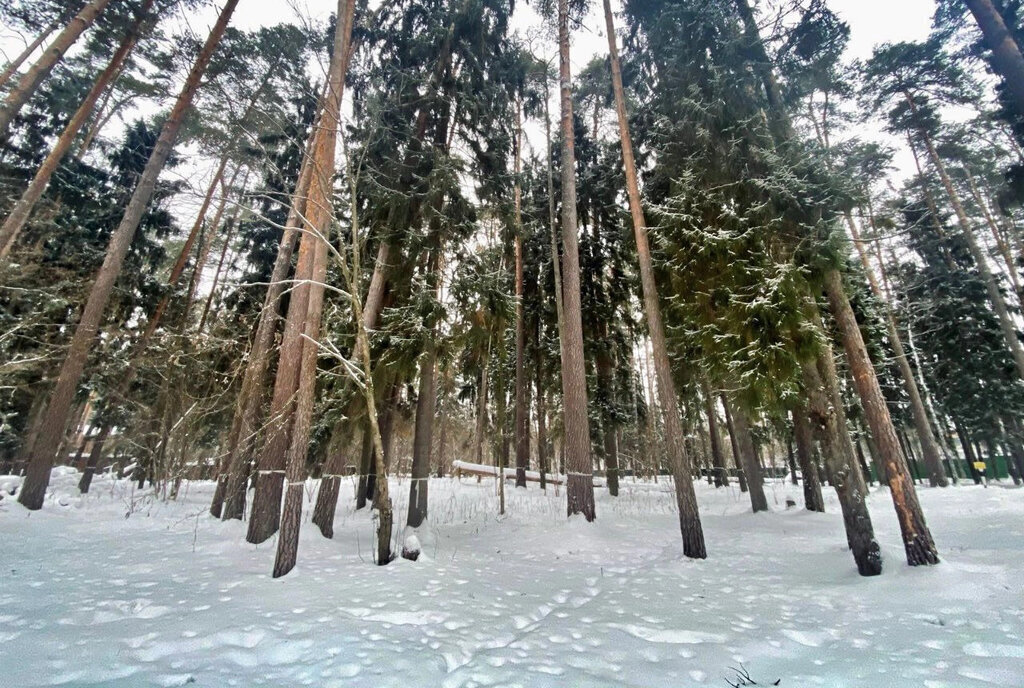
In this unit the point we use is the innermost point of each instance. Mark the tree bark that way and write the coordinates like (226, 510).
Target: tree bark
(994, 294)
(737, 460)
(522, 383)
(316, 235)
(579, 470)
(689, 515)
(423, 434)
(917, 539)
(717, 456)
(1006, 58)
(14, 65)
(19, 214)
(813, 500)
(828, 421)
(747, 457)
(41, 461)
(31, 79)
(922, 424)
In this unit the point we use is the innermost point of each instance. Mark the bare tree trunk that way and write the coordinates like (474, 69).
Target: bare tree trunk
(748, 458)
(481, 414)
(95, 454)
(14, 65)
(737, 459)
(522, 384)
(317, 231)
(717, 457)
(365, 468)
(813, 500)
(922, 425)
(829, 423)
(229, 234)
(19, 214)
(1006, 58)
(917, 539)
(579, 470)
(327, 497)
(1001, 244)
(423, 438)
(38, 476)
(689, 515)
(31, 79)
(994, 294)
(542, 422)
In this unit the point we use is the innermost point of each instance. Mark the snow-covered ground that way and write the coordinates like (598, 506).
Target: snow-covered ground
(120, 589)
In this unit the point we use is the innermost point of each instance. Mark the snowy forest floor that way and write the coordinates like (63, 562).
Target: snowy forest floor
(121, 589)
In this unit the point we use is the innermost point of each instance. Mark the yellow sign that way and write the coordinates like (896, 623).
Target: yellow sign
(979, 466)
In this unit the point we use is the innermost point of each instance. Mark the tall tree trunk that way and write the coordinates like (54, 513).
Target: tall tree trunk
(423, 434)
(981, 260)
(542, 424)
(14, 65)
(31, 79)
(522, 383)
(813, 500)
(327, 497)
(737, 459)
(717, 456)
(95, 454)
(295, 387)
(1006, 58)
(997, 235)
(917, 539)
(922, 424)
(579, 470)
(38, 476)
(689, 515)
(828, 422)
(747, 457)
(19, 214)
(271, 463)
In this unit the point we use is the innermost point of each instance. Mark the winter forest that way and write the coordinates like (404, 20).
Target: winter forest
(538, 343)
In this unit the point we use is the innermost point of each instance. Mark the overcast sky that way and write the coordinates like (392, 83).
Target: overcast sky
(871, 21)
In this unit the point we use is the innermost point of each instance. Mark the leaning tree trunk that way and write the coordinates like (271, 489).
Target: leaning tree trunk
(717, 456)
(95, 454)
(813, 500)
(994, 294)
(741, 475)
(315, 238)
(31, 79)
(41, 460)
(579, 488)
(272, 461)
(423, 434)
(829, 423)
(917, 539)
(19, 214)
(929, 447)
(1006, 58)
(748, 457)
(686, 499)
(14, 65)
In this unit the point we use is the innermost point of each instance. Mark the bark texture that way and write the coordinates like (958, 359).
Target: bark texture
(22, 209)
(41, 461)
(31, 79)
(579, 470)
(917, 539)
